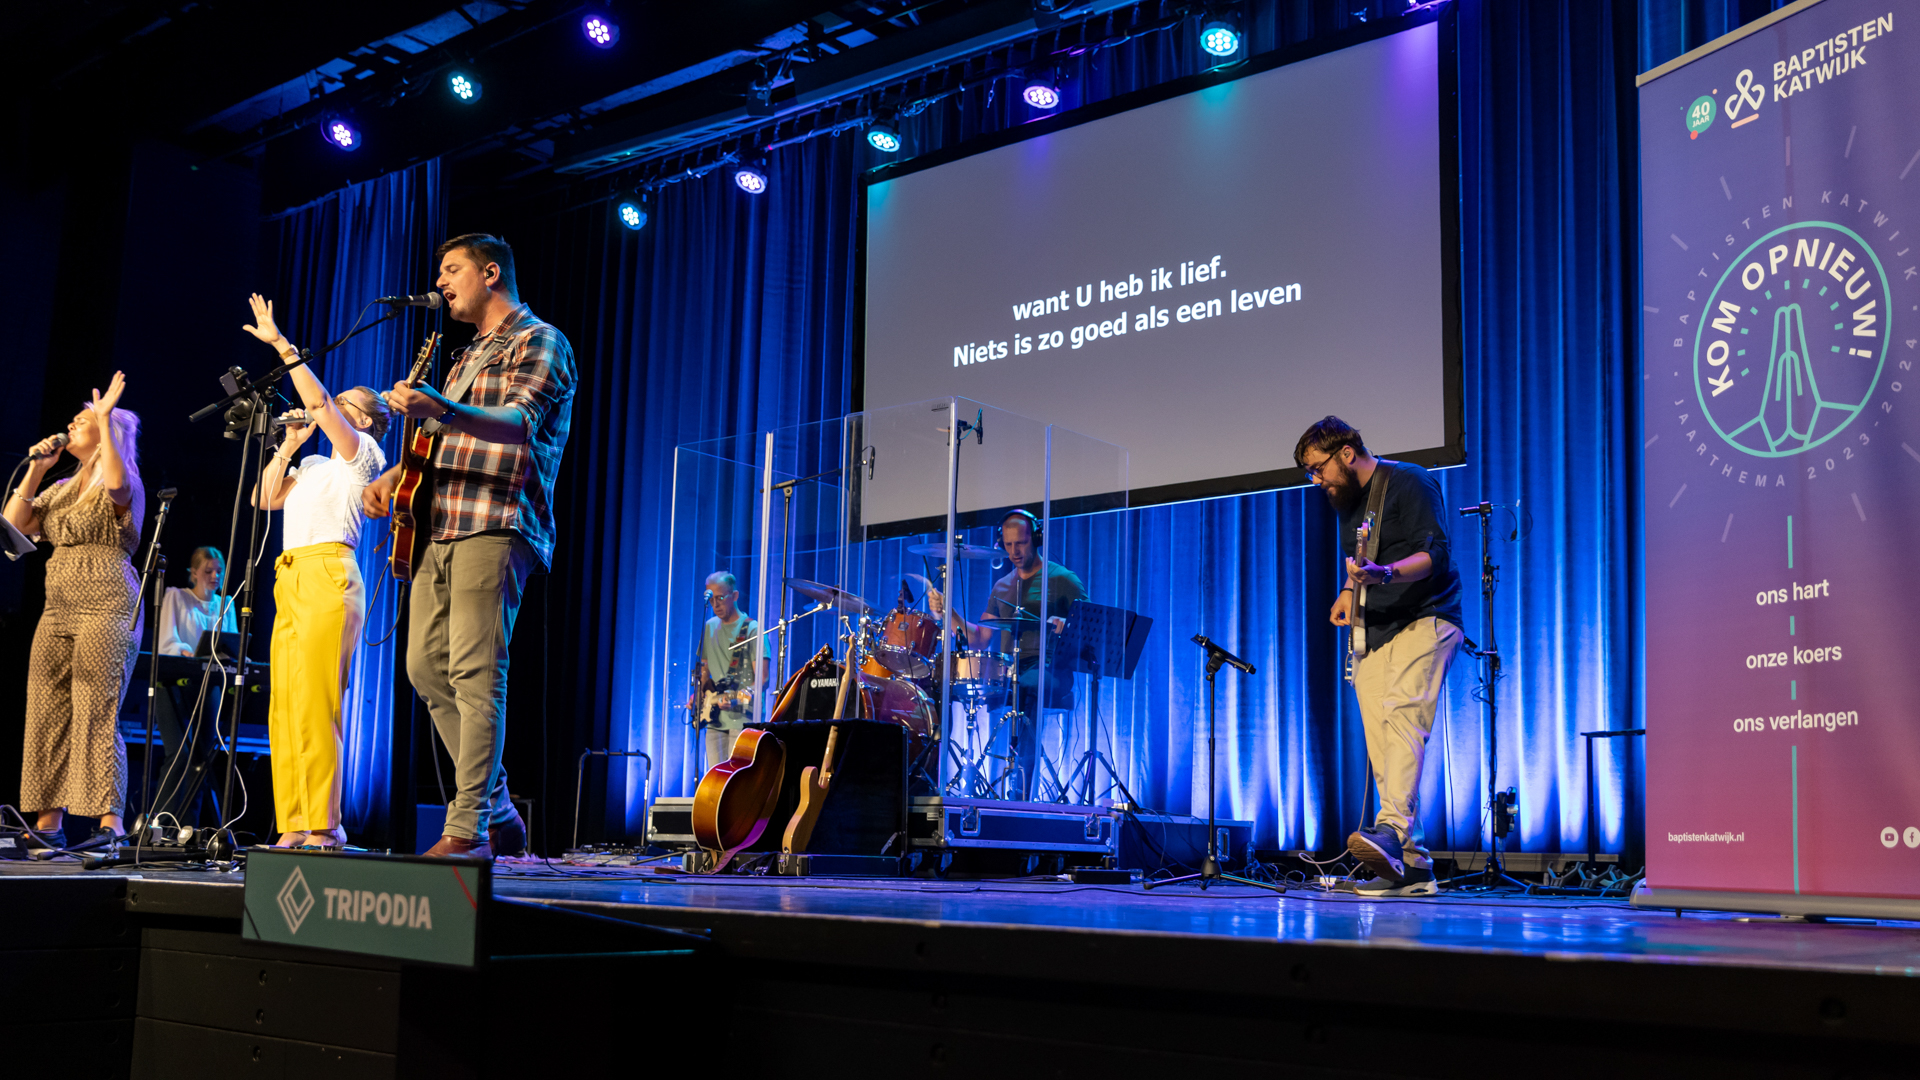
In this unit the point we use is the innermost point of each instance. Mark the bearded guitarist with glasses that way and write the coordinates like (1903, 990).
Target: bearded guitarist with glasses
(499, 428)
(1400, 597)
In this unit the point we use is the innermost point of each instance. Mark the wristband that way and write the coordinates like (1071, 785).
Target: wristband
(1386, 574)
(445, 418)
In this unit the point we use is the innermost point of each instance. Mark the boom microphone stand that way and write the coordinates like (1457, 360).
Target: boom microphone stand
(1210, 871)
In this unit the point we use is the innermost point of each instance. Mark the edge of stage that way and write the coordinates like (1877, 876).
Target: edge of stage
(1041, 976)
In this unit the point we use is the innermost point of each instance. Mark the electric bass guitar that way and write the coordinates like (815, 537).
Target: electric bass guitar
(410, 513)
(1357, 615)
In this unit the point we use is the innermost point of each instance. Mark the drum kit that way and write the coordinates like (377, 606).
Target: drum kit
(898, 663)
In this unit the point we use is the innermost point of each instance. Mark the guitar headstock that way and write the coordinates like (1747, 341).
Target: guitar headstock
(424, 358)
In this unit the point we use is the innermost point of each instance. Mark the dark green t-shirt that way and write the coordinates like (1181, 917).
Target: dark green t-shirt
(1063, 588)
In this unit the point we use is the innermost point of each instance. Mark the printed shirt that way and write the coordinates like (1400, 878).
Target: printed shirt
(525, 364)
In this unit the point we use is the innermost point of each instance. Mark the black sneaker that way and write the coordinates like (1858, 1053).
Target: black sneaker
(1379, 850)
(49, 839)
(1416, 881)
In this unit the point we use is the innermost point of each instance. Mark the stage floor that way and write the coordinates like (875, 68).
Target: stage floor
(981, 972)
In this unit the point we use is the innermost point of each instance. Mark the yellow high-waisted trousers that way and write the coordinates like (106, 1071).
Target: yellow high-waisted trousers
(319, 604)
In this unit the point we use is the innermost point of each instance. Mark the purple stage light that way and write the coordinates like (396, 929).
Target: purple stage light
(600, 29)
(751, 177)
(340, 133)
(1042, 92)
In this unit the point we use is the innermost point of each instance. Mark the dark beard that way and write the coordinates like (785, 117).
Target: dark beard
(1345, 496)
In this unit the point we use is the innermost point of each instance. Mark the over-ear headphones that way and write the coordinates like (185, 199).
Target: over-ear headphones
(1033, 527)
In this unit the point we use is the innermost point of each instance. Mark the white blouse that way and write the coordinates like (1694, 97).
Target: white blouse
(324, 507)
(183, 618)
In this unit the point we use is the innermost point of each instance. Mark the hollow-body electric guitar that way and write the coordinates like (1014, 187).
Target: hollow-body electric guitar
(411, 511)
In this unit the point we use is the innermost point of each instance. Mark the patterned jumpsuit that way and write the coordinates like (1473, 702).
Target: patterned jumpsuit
(83, 654)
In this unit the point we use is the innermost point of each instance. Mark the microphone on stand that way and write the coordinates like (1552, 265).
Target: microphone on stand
(59, 441)
(432, 300)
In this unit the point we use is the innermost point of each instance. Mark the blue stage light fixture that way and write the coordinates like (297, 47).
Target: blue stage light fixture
(751, 176)
(340, 133)
(1220, 34)
(631, 210)
(602, 32)
(884, 137)
(1042, 90)
(464, 87)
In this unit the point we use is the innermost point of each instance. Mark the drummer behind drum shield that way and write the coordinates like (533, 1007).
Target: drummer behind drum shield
(1021, 538)
(723, 671)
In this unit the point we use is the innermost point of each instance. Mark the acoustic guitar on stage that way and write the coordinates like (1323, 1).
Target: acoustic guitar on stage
(411, 508)
(736, 797)
(816, 780)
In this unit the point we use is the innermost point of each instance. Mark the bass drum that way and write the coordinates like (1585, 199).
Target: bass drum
(908, 642)
(897, 701)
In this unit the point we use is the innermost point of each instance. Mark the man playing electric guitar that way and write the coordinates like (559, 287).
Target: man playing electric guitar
(1410, 634)
(726, 678)
(500, 428)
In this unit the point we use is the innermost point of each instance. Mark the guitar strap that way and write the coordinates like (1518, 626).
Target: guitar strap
(465, 382)
(1376, 499)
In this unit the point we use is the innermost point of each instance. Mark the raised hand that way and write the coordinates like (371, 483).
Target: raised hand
(263, 326)
(103, 403)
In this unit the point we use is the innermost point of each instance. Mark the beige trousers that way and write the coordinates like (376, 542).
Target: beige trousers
(1398, 686)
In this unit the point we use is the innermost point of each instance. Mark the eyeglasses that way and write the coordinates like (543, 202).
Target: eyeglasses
(1314, 471)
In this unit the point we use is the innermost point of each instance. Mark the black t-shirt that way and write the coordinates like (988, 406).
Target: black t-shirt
(1412, 519)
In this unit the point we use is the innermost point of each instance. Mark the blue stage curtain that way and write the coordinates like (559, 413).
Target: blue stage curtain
(730, 314)
(336, 254)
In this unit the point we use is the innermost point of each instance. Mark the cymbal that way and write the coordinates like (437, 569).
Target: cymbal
(1022, 621)
(827, 594)
(960, 551)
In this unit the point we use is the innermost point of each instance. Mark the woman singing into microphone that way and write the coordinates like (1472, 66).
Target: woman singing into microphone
(73, 757)
(319, 600)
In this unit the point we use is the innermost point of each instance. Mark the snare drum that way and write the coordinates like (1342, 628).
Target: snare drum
(978, 673)
(908, 643)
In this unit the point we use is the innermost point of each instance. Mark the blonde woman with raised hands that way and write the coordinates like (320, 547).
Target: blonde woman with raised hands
(319, 600)
(73, 759)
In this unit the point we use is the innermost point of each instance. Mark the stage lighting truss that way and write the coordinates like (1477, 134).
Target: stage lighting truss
(1043, 89)
(340, 132)
(883, 135)
(1220, 33)
(751, 176)
(464, 86)
(630, 209)
(601, 31)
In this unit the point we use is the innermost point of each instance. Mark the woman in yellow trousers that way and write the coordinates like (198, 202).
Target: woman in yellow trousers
(319, 599)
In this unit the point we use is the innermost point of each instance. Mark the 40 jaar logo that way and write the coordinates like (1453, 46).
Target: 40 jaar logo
(1747, 97)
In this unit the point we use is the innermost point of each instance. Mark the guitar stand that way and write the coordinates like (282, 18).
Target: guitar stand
(1210, 871)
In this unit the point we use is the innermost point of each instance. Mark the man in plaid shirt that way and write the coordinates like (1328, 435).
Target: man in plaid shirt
(502, 426)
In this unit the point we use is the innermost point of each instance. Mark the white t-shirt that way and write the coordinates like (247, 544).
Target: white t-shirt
(183, 618)
(324, 507)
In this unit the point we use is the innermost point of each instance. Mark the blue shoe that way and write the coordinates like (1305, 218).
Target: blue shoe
(1379, 850)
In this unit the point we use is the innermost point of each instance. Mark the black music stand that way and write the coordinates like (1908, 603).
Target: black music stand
(1104, 642)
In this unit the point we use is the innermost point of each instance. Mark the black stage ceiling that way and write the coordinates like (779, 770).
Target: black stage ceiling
(1016, 977)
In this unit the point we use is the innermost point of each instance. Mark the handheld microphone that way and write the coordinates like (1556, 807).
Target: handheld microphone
(59, 441)
(432, 300)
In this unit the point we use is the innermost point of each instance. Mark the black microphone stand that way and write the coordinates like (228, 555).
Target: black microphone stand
(154, 571)
(1210, 871)
(1493, 873)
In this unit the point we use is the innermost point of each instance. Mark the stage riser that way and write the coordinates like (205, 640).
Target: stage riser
(69, 971)
(170, 1051)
